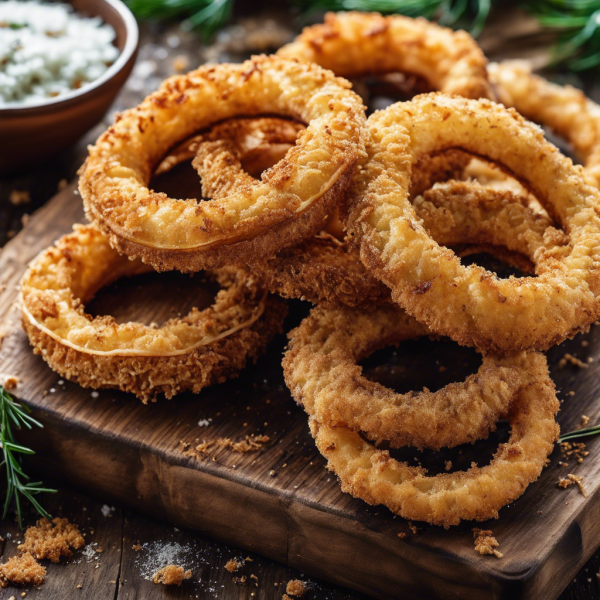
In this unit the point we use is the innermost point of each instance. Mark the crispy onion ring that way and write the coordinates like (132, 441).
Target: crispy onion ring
(448, 498)
(289, 203)
(321, 372)
(188, 353)
(354, 44)
(470, 304)
(564, 109)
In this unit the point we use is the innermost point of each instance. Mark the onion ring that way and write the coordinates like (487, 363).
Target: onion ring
(188, 353)
(288, 205)
(321, 371)
(470, 304)
(448, 498)
(354, 44)
(567, 111)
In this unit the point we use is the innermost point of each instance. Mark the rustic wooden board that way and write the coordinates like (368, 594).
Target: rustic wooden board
(125, 452)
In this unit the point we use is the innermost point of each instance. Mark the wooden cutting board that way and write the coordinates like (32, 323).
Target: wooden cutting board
(281, 502)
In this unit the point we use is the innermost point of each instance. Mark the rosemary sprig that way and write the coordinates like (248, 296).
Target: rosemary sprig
(579, 433)
(18, 486)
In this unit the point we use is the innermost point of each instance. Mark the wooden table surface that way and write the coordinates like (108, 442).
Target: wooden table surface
(109, 567)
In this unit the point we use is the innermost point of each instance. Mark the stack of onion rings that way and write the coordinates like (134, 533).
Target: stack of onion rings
(187, 353)
(319, 203)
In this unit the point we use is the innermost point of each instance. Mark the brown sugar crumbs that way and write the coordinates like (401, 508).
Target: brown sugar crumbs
(22, 570)
(171, 575)
(295, 587)
(485, 542)
(251, 443)
(571, 360)
(52, 539)
(232, 565)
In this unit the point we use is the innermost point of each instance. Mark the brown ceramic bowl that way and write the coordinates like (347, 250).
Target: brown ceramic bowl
(32, 133)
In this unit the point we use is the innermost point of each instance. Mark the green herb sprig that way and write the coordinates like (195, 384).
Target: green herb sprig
(18, 485)
(579, 433)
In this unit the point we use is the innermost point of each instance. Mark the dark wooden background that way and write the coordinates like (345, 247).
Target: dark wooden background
(116, 572)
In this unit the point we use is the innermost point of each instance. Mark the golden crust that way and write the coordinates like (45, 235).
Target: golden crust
(564, 109)
(322, 373)
(470, 304)
(188, 353)
(448, 498)
(354, 44)
(288, 205)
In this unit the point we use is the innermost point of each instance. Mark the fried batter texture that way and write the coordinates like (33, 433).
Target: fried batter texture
(288, 205)
(469, 304)
(355, 44)
(448, 498)
(322, 373)
(567, 111)
(187, 353)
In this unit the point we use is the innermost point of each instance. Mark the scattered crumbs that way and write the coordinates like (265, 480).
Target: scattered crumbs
(485, 542)
(62, 184)
(171, 575)
(571, 360)
(19, 197)
(571, 393)
(204, 422)
(137, 547)
(22, 570)
(413, 528)
(448, 465)
(10, 382)
(233, 565)
(564, 483)
(52, 539)
(107, 510)
(248, 559)
(154, 556)
(295, 587)
(285, 597)
(185, 446)
(584, 421)
(251, 443)
(241, 580)
(254, 579)
(579, 482)
(402, 535)
(272, 473)
(574, 450)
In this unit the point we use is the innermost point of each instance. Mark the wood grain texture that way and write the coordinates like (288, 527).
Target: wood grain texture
(117, 448)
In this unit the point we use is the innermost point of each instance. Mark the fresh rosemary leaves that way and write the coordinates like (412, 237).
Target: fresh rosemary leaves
(18, 486)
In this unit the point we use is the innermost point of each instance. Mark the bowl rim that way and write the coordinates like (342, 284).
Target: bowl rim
(131, 43)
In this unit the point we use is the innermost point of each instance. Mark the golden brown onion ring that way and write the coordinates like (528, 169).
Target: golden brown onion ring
(355, 44)
(322, 373)
(187, 353)
(567, 111)
(470, 304)
(448, 498)
(288, 205)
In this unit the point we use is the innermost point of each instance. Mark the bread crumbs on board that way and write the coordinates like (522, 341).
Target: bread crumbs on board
(52, 539)
(573, 479)
(485, 542)
(295, 587)
(251, 443)
(233, 565)
(171, 575)
(571, 360)
(22, 570)
(573, 449)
